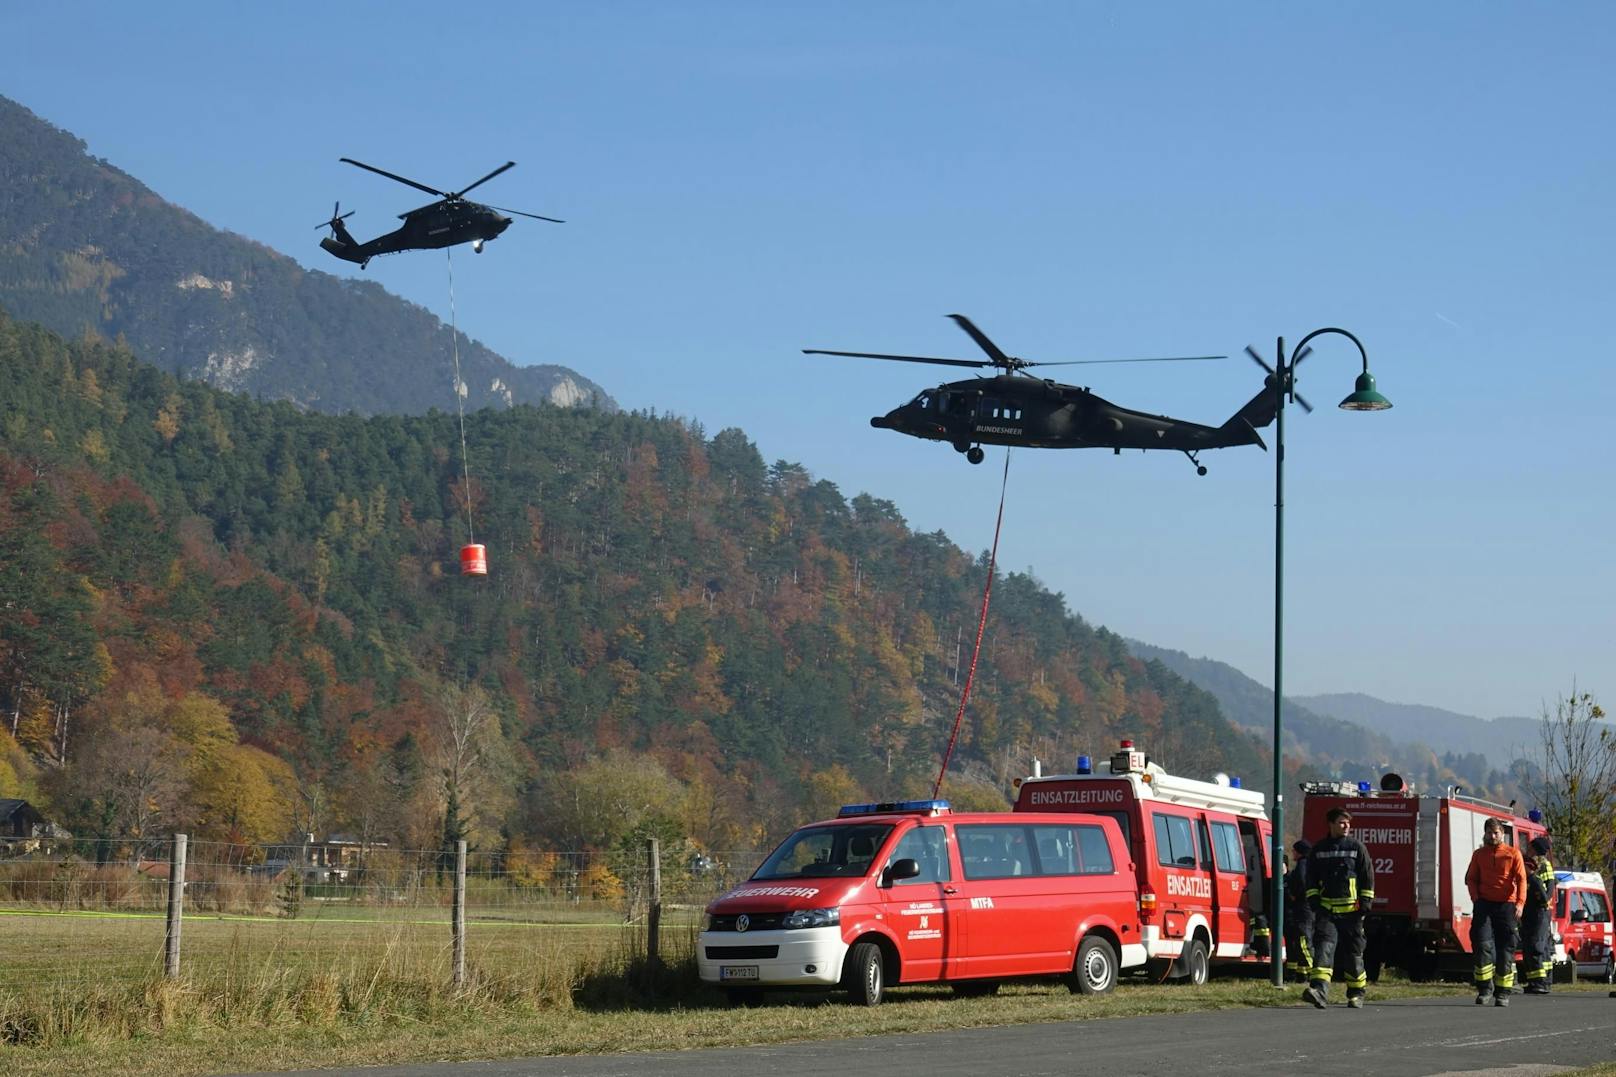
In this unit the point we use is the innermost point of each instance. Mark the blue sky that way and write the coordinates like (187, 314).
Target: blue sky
(1085, 180)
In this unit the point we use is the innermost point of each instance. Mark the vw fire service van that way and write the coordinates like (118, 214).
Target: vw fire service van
(1582, 920)
(912, 892)
(1421, 846)
(1199, 850)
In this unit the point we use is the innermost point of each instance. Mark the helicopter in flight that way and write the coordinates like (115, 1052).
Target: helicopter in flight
(451, 219)
(1013, 407)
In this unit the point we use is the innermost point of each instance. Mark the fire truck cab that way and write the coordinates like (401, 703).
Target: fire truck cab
(1200, 855)
(1421, 847)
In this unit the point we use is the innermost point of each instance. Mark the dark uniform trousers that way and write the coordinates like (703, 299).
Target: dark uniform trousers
(1298, 952)
(1537, 944)
(1494, 935)
(1347, 930)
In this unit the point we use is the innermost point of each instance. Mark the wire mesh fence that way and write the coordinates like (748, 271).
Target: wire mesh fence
(87, 912)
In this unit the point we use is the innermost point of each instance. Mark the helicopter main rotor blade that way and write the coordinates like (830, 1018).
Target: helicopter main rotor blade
(1156, 359)
(535, 216)
(901, 358)
(982, 341)
(391, 176)
(508, 164)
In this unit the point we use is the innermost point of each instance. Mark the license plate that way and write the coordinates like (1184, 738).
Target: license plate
(737, 972)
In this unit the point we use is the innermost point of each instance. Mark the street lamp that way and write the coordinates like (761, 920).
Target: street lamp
(1364, 397)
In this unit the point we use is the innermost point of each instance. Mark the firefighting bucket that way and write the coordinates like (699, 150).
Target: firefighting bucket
(473, 560)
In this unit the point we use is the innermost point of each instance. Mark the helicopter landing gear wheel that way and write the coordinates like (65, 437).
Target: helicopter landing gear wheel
(961, 445)
(1200, 468)
(975, 454)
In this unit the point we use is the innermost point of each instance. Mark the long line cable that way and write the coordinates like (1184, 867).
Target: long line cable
(981, 623)
(459, 395)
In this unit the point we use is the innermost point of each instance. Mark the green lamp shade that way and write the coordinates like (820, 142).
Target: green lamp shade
(1364, 397)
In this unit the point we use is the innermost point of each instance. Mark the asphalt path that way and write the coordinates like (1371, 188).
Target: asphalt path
(1407, 1038)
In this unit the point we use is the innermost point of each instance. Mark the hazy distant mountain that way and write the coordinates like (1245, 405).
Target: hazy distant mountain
(1501, 740)
(1321, 738)
(84, 246)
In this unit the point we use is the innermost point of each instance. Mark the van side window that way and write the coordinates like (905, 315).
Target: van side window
(1094, 852)
(1174, 846)
(928, 847)
(1065, 849)
(991, 851)
(1560, 903)
(1226, 840)
(1205, 844)
(1598, 910)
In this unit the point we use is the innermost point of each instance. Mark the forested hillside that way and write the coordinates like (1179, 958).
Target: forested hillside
(86, 247)
(246, 620)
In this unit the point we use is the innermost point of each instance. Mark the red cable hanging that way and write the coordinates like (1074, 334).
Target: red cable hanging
(987, 591)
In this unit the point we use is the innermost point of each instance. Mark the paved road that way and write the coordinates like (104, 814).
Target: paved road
(1409, 1038)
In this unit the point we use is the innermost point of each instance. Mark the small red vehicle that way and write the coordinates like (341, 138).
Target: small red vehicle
(912, 892)
(1199, 851)
(1583, 922)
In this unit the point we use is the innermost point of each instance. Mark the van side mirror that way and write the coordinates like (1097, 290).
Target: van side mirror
(907, 868)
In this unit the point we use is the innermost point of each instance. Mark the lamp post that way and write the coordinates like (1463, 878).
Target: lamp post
(1363, 398)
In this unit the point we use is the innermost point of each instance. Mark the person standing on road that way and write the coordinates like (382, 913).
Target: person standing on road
(1497, 881)
(1340, 889)
(1537, 944)
(1298, 914)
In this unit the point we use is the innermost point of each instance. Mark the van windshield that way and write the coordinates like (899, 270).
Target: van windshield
(826, 850)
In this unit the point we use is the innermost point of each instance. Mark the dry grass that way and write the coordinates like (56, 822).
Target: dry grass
(273, 995)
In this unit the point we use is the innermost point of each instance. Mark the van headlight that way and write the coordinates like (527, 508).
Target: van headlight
(706, 921)
(813, 918)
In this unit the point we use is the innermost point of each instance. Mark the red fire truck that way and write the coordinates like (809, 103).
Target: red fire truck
(1421, 846)
(1200, 855)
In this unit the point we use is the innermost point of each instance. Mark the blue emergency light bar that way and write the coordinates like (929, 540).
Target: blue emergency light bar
(890, 807)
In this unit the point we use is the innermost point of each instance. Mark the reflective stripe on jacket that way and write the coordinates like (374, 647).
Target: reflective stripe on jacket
(1540, 884)
(1340, 875)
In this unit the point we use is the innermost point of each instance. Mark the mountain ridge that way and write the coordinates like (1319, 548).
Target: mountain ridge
(87, 248)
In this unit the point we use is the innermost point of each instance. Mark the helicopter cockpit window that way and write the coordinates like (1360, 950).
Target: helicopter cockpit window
(923, 401)
(956, 404)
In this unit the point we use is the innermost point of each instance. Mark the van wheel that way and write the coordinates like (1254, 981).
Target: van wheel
(1095, 970)
(864, 975)
(1195, 963)
(976, 988)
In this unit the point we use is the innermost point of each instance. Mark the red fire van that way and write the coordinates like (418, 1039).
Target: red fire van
(912, 892)
(1582, 920)
(1200, 855)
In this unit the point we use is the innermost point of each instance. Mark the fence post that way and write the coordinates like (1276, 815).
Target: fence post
(458, 918)
(653, 913)
(176, 907)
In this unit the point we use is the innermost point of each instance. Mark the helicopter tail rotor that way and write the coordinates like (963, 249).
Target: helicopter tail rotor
(1297, 358)
(337, 217)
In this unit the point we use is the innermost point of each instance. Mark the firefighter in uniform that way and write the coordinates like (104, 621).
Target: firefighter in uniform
(1497, 881)
(1340, 888)
(1298, 915)
(1537, 944)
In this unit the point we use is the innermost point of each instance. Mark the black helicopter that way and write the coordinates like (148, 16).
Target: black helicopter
(450, 220)
(1015, 408)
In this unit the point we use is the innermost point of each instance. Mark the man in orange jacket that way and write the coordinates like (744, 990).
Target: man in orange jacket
(1497, 881)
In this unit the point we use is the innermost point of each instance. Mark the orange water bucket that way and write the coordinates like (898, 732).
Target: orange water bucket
(473, 560)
